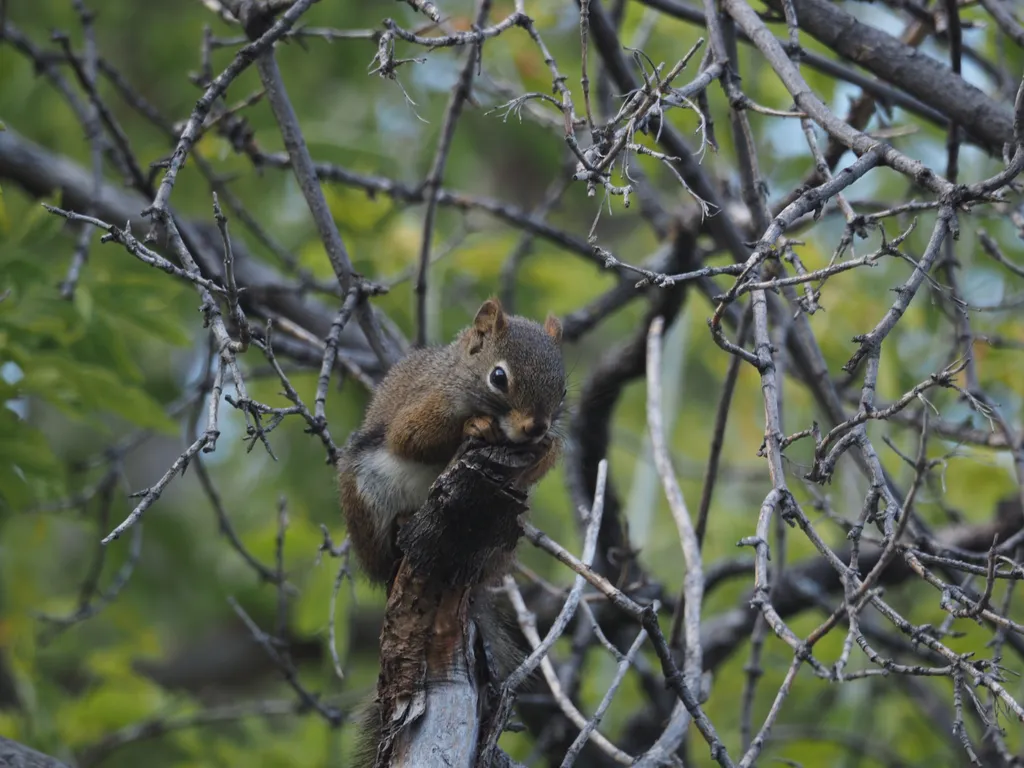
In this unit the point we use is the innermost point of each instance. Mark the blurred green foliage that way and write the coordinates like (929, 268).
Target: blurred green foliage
(77, 377)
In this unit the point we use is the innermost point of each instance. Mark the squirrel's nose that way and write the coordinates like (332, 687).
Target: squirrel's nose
(536, 427)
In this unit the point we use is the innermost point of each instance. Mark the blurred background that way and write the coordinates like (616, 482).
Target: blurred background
(95, 388)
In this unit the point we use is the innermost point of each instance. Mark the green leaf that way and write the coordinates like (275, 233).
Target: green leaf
(355, 210)
(23, 445)
(80, 387)
(83, 303)
(121, 699)
(28, 468)
(39, 226)
(135, 319)
(45, 318)
(108, 344)
(15, 491)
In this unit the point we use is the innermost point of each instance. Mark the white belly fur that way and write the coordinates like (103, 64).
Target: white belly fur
(393, 485)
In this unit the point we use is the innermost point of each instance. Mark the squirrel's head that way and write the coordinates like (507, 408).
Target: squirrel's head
(520, 369)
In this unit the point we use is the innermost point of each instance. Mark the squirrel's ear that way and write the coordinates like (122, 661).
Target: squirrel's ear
(553, 328)
(490, 320)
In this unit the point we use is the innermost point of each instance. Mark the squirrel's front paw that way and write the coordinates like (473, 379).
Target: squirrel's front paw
(543, 447)
(484, 428)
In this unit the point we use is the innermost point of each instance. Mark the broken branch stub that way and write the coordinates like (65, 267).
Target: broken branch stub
(432, 665)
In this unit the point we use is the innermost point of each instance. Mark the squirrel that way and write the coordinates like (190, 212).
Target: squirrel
(502, 380)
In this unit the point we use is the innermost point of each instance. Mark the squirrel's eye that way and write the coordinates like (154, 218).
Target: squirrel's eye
(499, 379)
